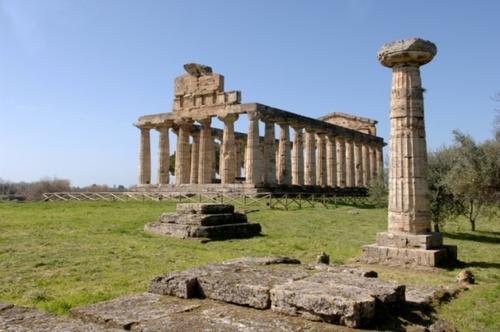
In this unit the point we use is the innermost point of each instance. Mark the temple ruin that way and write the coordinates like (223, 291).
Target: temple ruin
(336, 151)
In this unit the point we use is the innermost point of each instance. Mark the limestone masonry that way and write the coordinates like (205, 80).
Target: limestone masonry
(408, 238)
(338, 150)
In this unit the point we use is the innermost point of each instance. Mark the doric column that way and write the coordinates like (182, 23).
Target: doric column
(182, 155)
(409, 209)
(367, 175)
(310, 159)
(145, 157)
(341, 165)
(373, 161)
(349, 163)
(358, 164)
(253, 159)
(379, 156)
(206, 152)
(320, 160)
(163, 155)
(195, 157)
(331, 162)
(227, 159)
(285, 161)
(269, 156)
(298, 157)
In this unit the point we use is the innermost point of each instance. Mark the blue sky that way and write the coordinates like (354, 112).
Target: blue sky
(75, 74)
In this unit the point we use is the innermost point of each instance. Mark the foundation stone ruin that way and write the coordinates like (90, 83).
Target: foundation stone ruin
(204, 221)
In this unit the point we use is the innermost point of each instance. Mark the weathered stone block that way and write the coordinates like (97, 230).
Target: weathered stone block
(412, 256)
(400, 240)
(204, 219)
(204, 208)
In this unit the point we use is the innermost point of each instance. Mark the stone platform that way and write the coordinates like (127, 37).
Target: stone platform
(410, 249)
(204, 221)
(322, 293)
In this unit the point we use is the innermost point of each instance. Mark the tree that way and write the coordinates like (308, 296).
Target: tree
(473, 178)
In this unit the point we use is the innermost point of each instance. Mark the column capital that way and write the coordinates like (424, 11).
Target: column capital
(184, 122)
(253, 116)
(229, 118)
(413, 51)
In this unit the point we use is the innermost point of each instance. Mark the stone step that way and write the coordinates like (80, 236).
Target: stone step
(204, 219)
(220, 232)
(204, 208)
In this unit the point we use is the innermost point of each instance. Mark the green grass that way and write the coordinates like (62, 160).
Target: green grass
(56, 256)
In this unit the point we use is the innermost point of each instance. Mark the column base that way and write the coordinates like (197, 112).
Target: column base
(410, 249)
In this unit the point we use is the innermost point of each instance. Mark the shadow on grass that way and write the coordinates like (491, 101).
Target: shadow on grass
(472, 237)
(484, 265)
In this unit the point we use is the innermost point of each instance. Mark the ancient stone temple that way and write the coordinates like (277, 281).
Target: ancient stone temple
(408, 238)
(336, 151)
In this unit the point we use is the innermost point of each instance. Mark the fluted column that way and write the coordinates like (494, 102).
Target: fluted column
(195, 157)
(358, 164)
(145, 157)
(349, 162)
(182, 156)
(163, 155)
(269, 156)
(331, 162)
(372, 150)
(298, 157)
(320, 160)
(227, 159)
(409, 208)
(253, 158)
(310, 159)
(285, 161)
(206, 154)
(379, 156)
(365, 156)
(341, 164)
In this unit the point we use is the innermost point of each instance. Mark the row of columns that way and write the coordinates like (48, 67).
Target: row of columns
(314, 158)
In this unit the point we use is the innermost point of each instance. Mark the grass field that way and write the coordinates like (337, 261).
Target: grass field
(59, 255)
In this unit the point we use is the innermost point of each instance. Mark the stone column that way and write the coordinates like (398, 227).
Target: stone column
(298, 157)
(310, 159)
(163, 155)
(358, 164)
(320, 160)
(227, 161)
(367, 170)
(379, 162)
(182, 157)
(341, 165)
(349, 162)
(206, 152)
(195, 157)
(409, 239)
(331, 162)
(285, 161)
(269, 159)
(145, 157)
(253, 158)
(373, 161)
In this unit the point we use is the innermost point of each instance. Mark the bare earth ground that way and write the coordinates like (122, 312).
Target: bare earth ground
(56, 256)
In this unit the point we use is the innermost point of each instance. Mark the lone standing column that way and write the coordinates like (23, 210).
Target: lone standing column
(227, 157)
(358, 164)
(206, 153)
(145, 157)
(320, 160)
(298, 157)
(310, 159)
(269, 154)
(195, 157)
(253, 159)
(340, 143)
(163, 155)
(182, 157)
(285, 161)
(349, 161)
(409, 238)
(331, 162)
